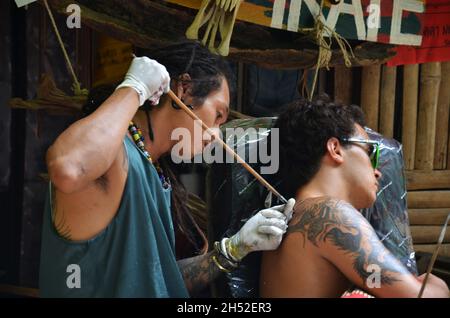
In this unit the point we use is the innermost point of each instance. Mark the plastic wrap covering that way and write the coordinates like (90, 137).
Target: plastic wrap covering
(234, 195)
(389, 215)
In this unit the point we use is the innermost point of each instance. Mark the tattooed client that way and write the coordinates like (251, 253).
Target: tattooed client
(330, 167)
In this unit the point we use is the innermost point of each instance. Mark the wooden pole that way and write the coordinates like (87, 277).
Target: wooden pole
(387, 101)
(430, 79)
(442, 119)
(226, 147)
(343, 80)
(409, 120)
(322, 81)
(370, 92)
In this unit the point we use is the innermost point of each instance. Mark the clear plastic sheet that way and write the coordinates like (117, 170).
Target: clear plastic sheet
(389, 215)
(234, 195)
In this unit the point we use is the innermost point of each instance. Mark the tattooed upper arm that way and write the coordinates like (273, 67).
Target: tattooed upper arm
(345, 238)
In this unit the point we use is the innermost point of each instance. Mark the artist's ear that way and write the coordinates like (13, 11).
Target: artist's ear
(334, 150)
(183, 85)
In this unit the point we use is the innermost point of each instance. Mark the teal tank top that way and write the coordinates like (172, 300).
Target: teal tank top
(134, 256)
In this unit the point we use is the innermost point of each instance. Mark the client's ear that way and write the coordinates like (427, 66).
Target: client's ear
(334, 149)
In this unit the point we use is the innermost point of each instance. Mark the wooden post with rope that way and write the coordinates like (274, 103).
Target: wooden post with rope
(76, 84)
(409, 117)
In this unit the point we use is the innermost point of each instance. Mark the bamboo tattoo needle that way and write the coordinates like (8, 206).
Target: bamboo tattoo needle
(227, 148)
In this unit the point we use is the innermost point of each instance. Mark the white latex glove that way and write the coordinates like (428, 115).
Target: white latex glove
(262, 232)
(148, 78)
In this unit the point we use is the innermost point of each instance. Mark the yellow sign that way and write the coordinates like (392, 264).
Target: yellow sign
(112, 60)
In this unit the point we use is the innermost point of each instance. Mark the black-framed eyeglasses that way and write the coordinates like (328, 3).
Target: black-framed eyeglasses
(373, 151)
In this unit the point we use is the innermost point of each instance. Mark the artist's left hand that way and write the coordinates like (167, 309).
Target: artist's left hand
(262, 232)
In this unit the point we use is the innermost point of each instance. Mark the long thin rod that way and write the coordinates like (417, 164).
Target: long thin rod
(435, 254)
(227, 148)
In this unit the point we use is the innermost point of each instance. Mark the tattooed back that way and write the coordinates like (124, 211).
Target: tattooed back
(297, 269)
(329, 247)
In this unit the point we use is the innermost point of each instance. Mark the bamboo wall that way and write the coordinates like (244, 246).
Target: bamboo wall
(411, 103)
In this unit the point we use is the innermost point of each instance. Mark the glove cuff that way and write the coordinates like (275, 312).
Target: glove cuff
(140, 89)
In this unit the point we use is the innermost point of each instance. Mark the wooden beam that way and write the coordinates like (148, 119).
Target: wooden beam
(430, 79)
(428, 233)
(428, 216)
(444, 250)
(343, 80)
(409, 120)
(129, 21)
(442, 119)
(425, 180)
(370, 92)
(387, 101)
(428, 199)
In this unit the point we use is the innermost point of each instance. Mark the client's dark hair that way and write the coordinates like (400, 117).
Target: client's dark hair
(304, 129)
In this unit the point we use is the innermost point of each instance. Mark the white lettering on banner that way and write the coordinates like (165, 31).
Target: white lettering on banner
(396, 25)
(294, 15)
(353, 8)
(278, 13)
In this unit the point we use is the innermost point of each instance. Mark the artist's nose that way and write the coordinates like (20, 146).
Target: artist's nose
(215, 133)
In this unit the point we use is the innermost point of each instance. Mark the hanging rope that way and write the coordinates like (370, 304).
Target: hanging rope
(76, 84)
(325, 46)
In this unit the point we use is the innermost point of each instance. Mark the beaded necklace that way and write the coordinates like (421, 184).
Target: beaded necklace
(138, 139)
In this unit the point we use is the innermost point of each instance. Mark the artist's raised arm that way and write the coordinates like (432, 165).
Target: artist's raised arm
(86, 150)
(345, 238)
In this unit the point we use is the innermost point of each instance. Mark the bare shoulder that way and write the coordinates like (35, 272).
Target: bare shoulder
(344, 237)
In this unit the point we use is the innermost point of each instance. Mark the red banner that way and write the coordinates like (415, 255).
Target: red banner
(435, 31)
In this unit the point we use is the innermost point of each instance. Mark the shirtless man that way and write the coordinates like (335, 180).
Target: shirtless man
(329, 166)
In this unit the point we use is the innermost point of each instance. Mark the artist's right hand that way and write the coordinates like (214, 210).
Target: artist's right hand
(148, 78)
